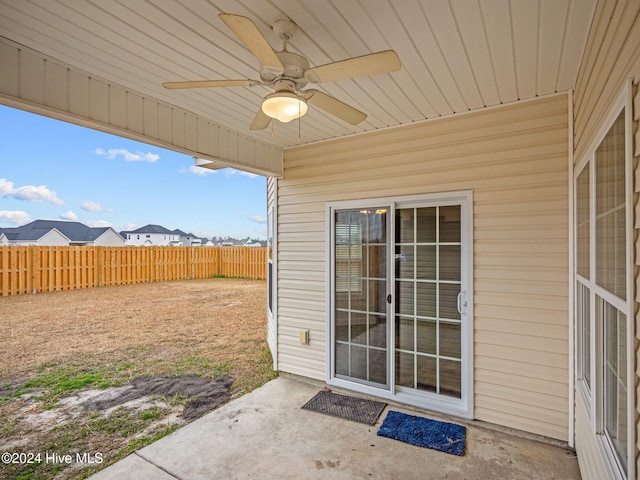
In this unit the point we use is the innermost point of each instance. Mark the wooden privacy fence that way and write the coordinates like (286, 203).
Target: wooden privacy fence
(32, 269)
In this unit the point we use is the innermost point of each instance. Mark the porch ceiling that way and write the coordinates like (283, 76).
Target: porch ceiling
(457, 55)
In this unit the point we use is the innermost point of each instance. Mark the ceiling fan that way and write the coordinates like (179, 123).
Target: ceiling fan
(288, 73)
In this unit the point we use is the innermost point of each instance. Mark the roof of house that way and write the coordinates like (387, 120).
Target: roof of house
(74, 231)
(157, 229)
(150, 229)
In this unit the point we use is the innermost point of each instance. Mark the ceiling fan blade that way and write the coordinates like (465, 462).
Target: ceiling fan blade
(381, 62)
(261, 121)
(334, 106)
(250, 36)
(212, 83)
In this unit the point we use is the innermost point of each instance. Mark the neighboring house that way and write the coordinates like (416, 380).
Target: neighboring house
(60, 233)
(188, 239)
(151, 235)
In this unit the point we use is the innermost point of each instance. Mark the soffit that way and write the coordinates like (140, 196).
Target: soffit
(457, 55)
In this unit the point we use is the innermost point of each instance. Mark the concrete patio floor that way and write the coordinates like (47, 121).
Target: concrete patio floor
(265, 434)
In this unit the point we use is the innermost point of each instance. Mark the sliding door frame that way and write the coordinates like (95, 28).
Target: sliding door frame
(461, 407)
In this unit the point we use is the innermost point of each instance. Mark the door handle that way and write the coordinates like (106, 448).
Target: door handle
(462, 302)
(389, 299)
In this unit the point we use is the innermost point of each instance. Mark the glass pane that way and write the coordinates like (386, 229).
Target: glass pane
(450, 262)
(426, 299)
(358, 362)
(427, 373)
(426, 330)
(378, 366)
(450, 339)
(404, 369)
(450, 378)
(583, 222)
(342, 297)
(404, 298)
(426, 268)
(449, 301)
(377, 296)
(615, 379)
(342, 359)
(583, 313)
(377, 258)
(404, 262)
(378, 331)
(376, 222)
(358, 328)
(358, 295)
(404, 225)
(342, 325)
(404, 333)
(426, 225)
(450, 224)
(610, 210)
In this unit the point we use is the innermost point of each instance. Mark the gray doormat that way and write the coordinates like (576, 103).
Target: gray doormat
(343, 406)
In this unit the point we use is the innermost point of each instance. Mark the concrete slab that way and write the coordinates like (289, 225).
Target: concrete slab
(265, 434)
(132, 468)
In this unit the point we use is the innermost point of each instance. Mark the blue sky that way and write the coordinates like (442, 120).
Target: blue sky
(58, 171)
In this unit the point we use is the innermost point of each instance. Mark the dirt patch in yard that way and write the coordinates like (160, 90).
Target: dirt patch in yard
(107, 371)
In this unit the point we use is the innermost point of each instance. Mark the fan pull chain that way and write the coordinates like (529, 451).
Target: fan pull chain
(273, 133)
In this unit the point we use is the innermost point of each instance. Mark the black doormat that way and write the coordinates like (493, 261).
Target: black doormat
(343, 406)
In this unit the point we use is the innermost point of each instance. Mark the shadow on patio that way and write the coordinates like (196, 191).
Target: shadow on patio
(265, 434)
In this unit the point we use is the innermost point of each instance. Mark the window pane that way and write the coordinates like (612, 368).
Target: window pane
(610, 210)
(615, 377)
(404, 369)
(583, 315)
(427, 374)
(426, 228)
(450, 223)
(450, 378)
(583, 222)
(404, 225)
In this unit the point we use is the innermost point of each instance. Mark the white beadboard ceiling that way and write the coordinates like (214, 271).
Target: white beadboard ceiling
(457, 55)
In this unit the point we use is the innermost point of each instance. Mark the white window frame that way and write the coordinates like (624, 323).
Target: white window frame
(594, 397)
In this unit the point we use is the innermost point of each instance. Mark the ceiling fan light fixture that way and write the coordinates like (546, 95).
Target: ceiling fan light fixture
(284, 106)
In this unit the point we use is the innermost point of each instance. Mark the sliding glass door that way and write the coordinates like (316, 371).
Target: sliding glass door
(399, 319)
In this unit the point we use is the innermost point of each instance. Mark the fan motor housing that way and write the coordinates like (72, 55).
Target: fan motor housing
(294, 67)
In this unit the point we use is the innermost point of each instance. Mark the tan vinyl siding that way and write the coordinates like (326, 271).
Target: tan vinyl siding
(612, 56)
(515, 159)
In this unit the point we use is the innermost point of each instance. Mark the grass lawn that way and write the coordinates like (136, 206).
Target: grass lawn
(66, 355)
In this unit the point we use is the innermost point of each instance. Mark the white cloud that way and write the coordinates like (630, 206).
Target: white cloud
(128, 156)
(69, 216)
(127, 227)
(99, 223)
(259, 218)
(234, 171)
(14, 217)
(90, 206)
(29, 193)
(194, 169)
